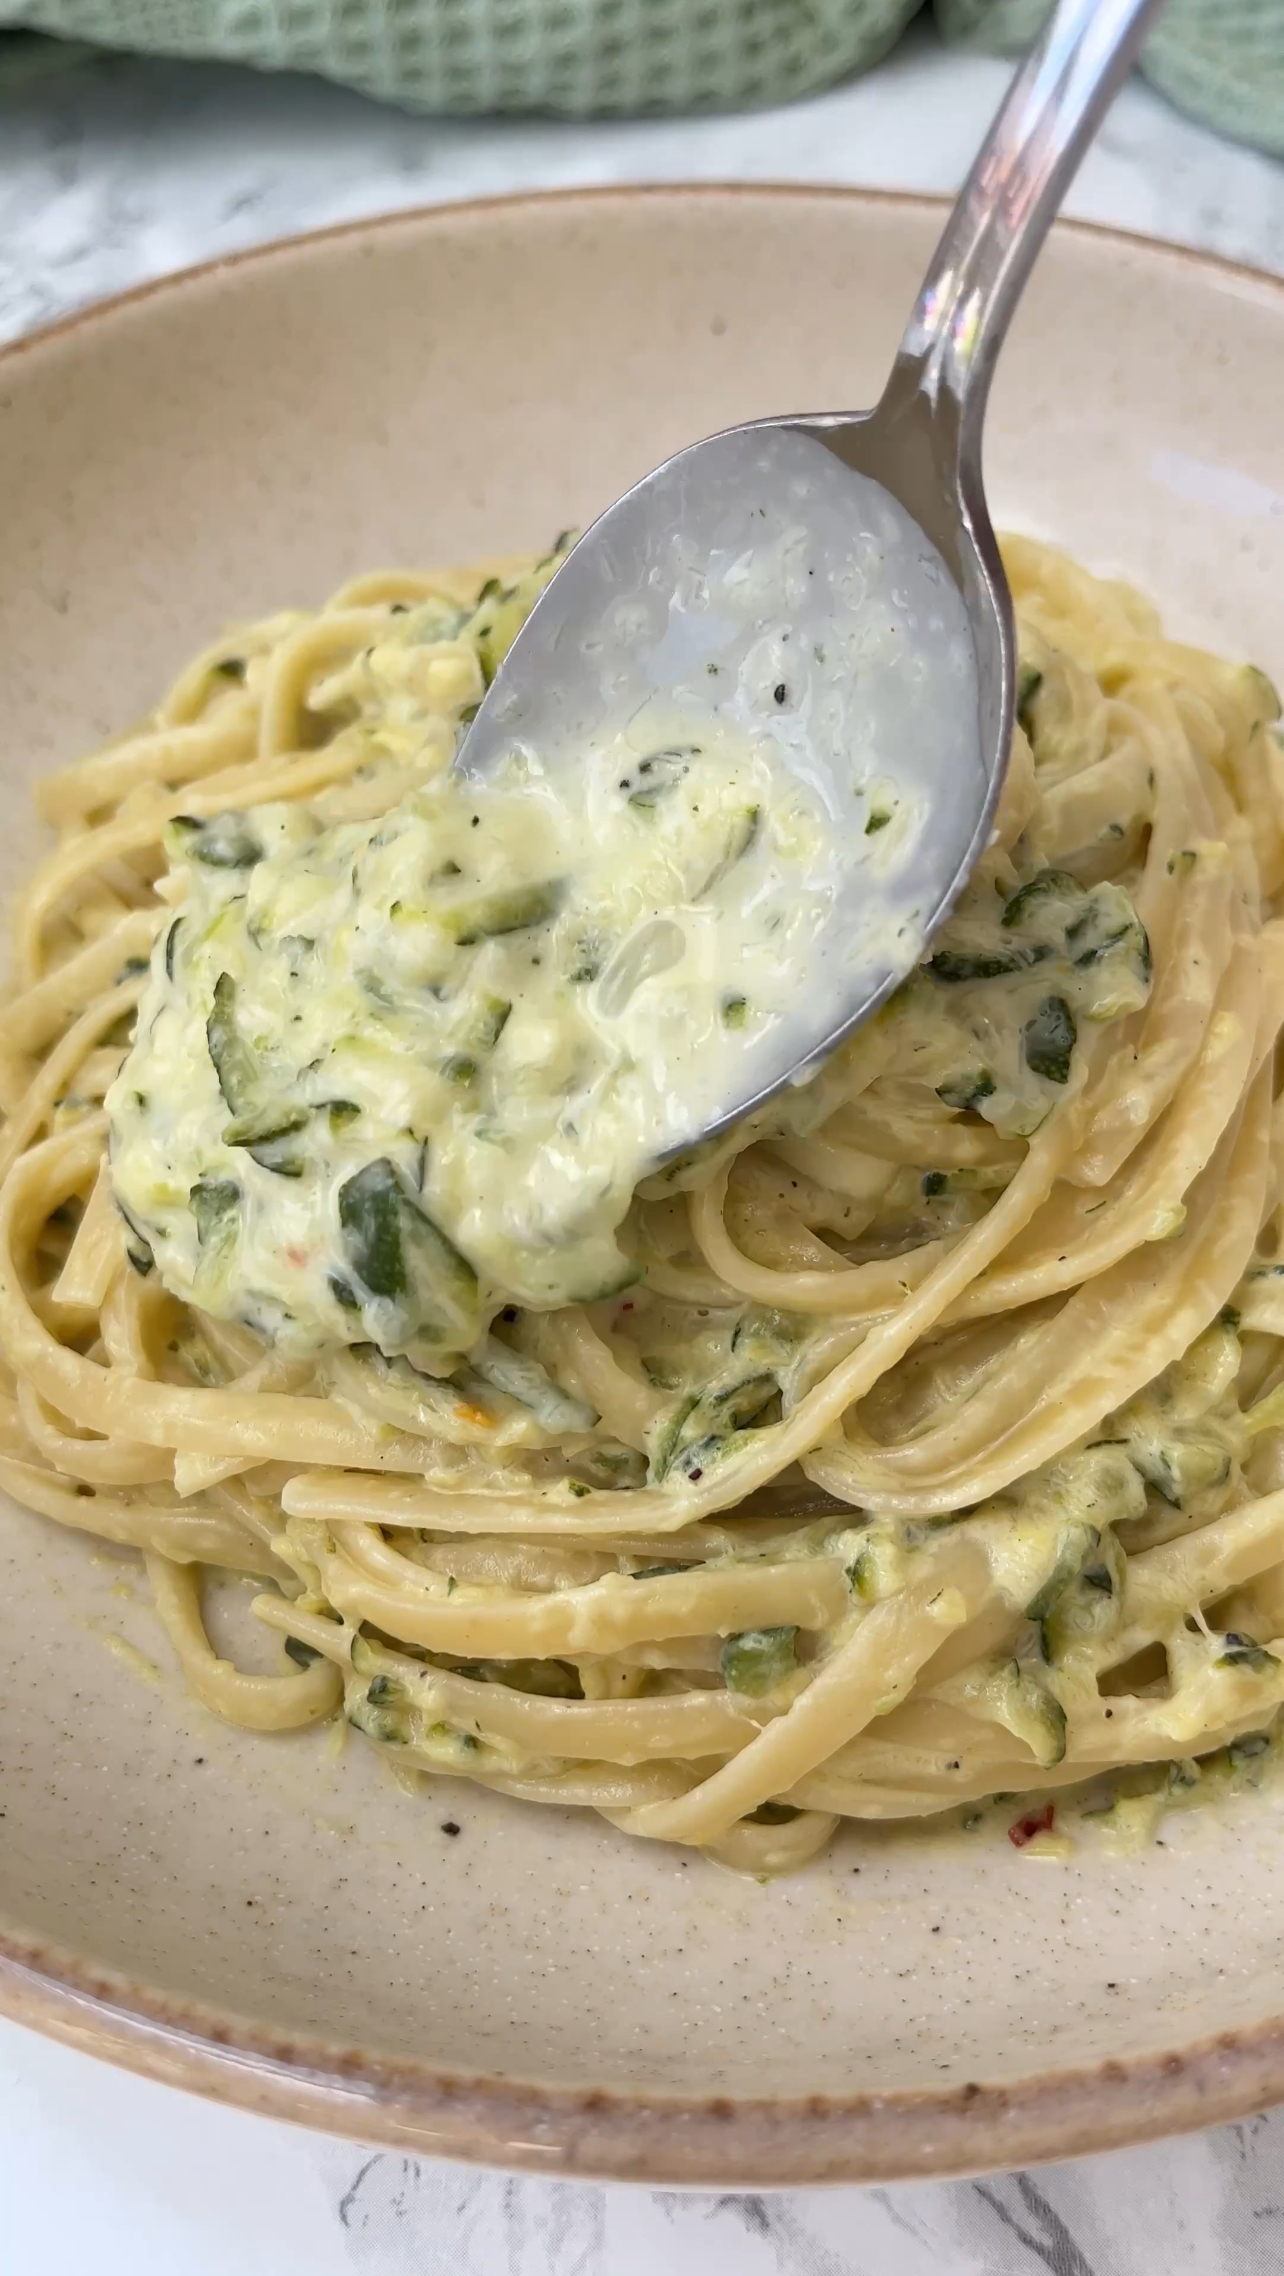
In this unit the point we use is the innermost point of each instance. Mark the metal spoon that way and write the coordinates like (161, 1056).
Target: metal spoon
(641, 612)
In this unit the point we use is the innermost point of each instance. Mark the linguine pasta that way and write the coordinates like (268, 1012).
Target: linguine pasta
(935, 1448)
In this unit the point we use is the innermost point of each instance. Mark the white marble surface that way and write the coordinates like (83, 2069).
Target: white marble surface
(131, 169)
(110, 2174)
(125, 171)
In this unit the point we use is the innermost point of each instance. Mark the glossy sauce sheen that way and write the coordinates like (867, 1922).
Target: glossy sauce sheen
(390, 1075)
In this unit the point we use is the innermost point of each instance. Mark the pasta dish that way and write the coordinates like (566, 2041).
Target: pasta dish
(921, 1442)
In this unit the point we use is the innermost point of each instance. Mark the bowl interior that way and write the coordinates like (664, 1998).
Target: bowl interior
(435, 389)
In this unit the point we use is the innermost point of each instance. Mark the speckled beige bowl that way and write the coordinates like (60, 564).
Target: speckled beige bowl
(263, 1922)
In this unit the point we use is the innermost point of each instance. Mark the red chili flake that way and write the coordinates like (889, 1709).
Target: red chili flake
(627, 1305)
(1025, 1829)
(297, 1257)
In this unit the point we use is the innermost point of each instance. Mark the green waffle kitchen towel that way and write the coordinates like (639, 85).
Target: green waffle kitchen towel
(572, 56)
(1222, 60)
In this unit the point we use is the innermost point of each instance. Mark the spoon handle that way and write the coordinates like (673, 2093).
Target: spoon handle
(1006, 206)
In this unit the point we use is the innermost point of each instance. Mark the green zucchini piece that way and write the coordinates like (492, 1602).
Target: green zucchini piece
(398, 1254)
(486, 916)
(490, 1023)
(877, 1569)
(756, 1660)
(532, 1386)
(502, 610)
(1048, 1040)
(1016, 1698)
(1090, 1606)
(965, 1092)
(543, 1679)
(1265, 694)
(381, 1711)
(659, 774)
(1182, 1465)
(459, 1068)
(1245, 1652)
(215, 1204)
(1107, 935)
(269, 1140)
(371, 1210)
(499, 619)
(767, 1337)
(954, 965)
(224, 841)
(741, 836)
(235, 1064)
(669, 1434)
(661, 1374)
(1027, 897)
(588, 957)
(610, 1468)
(696, 1430)
(1076, 1544)
(137, 1248)
(280, 1155)
(736, 1404)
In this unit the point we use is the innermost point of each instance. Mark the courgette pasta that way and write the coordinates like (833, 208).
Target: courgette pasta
(930, 1447)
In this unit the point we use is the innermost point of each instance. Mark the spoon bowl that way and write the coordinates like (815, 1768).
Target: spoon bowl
(763, 585)
(797, 577)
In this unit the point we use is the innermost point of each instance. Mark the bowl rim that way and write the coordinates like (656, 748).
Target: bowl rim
(642, 2135)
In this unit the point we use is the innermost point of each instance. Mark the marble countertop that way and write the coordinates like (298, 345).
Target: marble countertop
(126, 170)
(119, 172)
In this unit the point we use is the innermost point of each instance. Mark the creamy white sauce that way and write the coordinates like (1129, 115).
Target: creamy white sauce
(390, 1075)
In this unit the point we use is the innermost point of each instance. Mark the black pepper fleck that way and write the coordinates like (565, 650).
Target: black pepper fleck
(449, 1826)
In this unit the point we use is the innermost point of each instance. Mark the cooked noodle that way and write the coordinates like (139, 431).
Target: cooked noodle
(938, 1452)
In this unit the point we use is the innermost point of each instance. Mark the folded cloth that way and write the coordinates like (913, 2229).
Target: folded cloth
(1222, 60)
(572, 56)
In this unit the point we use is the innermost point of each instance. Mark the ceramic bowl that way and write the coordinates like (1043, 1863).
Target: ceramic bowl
(255, 1917)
